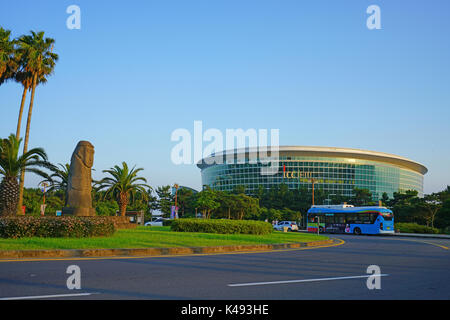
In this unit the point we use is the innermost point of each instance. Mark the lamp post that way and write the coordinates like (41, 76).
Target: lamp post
(176, 194)
(312, 181)
(43, 185)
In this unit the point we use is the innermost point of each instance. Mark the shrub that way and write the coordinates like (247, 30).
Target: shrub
(55, 227)
(167, 223)
(221, 226)
(414, 228)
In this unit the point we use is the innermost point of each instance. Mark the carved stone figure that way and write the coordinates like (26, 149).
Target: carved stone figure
(79, 185)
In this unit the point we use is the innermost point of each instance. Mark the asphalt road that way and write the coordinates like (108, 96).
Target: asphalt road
(411, 268)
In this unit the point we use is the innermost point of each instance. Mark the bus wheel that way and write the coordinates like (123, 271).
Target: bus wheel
(320, 229)
(357, 231)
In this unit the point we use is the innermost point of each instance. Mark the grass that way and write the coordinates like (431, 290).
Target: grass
(154, 237)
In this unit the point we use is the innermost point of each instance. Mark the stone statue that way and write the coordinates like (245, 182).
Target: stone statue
(79, 184)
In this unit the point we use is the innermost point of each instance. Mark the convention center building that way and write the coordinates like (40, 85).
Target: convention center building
(335, 170)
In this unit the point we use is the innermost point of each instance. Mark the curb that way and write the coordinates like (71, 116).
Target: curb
(404, 235)
(419, 235)
(144, 252)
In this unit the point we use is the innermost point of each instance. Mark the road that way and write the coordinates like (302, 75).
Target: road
(411, 269)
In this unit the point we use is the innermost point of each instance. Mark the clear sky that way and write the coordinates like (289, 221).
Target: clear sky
(138, 70)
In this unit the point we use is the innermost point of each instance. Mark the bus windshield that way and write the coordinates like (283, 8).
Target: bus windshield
(387, 216)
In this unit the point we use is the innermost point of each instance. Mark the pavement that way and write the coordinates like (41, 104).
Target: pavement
(421, 235)
(410, 235)
(409, 269)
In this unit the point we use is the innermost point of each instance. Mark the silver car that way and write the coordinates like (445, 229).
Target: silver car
(158, 222)
(292, 226)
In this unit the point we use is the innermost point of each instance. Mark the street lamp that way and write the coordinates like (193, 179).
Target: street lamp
(176, 194)
(43, 185)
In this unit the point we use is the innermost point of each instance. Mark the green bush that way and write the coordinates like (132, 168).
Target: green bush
(405, 227)
(167, 223)
(55, 227)
(222, 226)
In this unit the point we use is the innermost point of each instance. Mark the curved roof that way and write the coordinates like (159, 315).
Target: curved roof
(311, 151)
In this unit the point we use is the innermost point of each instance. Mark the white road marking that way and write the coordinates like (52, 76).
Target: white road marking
(303, 280)
(50, 296)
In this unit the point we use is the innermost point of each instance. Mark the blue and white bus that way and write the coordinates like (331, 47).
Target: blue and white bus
(350, 219)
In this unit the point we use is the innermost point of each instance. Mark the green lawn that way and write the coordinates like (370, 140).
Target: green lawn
(147, 237)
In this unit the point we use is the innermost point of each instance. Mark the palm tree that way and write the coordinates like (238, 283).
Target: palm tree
(123, 185)
(26, 79)
(8, 64)
(12, 165)
(62, 176)
(37, 58)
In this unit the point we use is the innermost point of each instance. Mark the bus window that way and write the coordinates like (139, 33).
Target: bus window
(339, 218)
(373, 216)
(366, 218)
(351, 217)
(387, 216)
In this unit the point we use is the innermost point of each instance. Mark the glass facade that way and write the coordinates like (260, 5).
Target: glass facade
(335, 175)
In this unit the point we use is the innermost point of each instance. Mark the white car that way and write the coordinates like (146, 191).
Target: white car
(158, 222)
(292, 226)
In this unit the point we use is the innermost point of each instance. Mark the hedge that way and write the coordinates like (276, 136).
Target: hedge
(55, 227)
(221, 226)
(167, 223)
(405, 227)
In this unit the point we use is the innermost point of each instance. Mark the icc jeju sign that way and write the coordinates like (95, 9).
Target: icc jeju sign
(307, 176)
(296, 174)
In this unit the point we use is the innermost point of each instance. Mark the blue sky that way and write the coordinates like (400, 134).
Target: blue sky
(138, 70)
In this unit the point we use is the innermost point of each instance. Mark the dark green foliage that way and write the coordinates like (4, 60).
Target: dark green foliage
(222, 226)
(55, 227)
(414, 228)
(106, 208)
(11, 166)
(280, 215)
(165, 200)
(33, 198)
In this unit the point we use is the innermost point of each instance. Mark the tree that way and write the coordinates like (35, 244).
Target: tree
(361, 197)
(246, 206)
(405, 207)
(185, 200)
(26, 79)
(271, 214)
(227, 203)
(430, 204)
(152, 204)
(165, 199)
(207, 202)
(59, 178)
(384, 199)
(123, 185)
(32, 200)
(8, 64)
(291, 215)
(12, 165)
(37, 58)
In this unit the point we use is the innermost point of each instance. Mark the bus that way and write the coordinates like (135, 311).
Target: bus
(350, 219)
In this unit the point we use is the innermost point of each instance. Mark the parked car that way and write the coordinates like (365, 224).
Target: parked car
(158, 222)
(292, 226)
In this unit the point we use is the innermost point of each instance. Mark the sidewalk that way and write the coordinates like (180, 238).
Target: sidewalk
(420, 235)
(411, 235)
